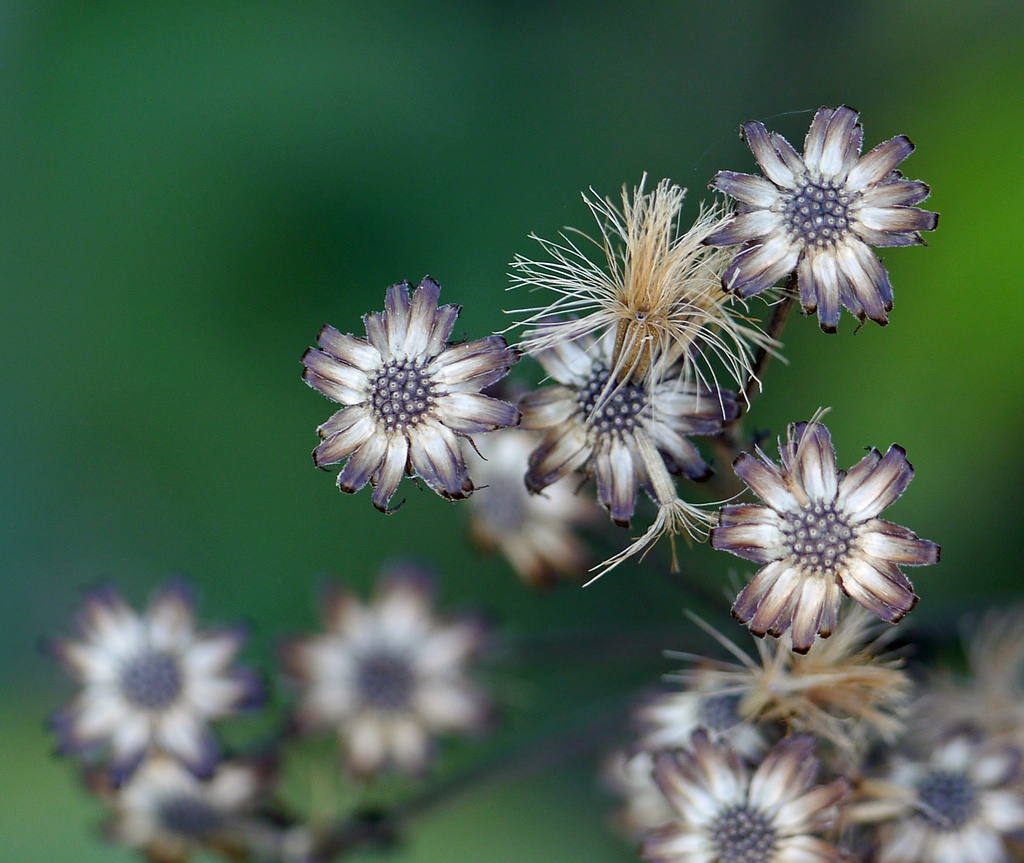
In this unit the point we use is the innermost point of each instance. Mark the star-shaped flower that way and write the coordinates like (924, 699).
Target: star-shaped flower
(820, 536)
(388, 676)
(152, 682)
(408, 394)
(725, 814)
(819, 213)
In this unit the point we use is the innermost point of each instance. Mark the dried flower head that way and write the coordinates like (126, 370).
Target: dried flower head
(408, 394)
(990, 698)
(168, 813)
(388, 675)
(725, 814)
(846, 690)
(819, 213)
(960, 803)
(819, 537)
(628, 436)
(668, 721)
(151, 682)
(658, 291)
(533, 531)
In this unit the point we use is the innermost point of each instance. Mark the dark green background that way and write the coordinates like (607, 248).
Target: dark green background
(191, 189)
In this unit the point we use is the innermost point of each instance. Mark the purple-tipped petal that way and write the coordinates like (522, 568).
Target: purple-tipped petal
(766, 155)
(749, 189)
(877, 164)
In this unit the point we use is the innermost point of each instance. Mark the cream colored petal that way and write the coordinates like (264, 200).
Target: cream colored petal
(367, 745)
(445, 705)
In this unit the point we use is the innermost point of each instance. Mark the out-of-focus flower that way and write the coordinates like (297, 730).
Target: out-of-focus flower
(388, 676)
(630, 776)
(151, 682)
(819, 213)
(724, 814)
(819, 536)
(533, 531)
(408, 394)
(628, 436)
(959, 804)
(668, 721)
(658, 291)
(846, 690)
(990, 698)
(168, 813)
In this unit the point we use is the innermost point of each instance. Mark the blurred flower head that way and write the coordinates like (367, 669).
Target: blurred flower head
(668, 721)
(957, 804)
(820, 536)
(725, 814)
(533, 531)
(169, 814)
(388, 676)
(846, 690)
(151, 682)
(408, 394)
(819, 213)
(658, 291)
(630, 776)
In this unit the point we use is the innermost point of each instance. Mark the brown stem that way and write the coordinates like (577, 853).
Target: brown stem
(730, 442)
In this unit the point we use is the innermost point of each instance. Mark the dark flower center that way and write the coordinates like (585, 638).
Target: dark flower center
(609, 413)
(385, 681)
(403, 393)
(151, 680)
(817, 212)
(742, 835)
(190, 816)
(719, 712)
(502, 505)
(818, 537)
(948, 799)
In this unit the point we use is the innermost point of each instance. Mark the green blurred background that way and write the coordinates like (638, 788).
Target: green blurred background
(191, 189)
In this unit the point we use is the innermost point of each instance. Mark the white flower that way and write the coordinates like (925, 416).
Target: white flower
(819, 213)
(408, 394)
(388, 675)
(820, 536)
(726, 815)
(167, 812)
(152, 682)
(669, 721)
(533, 531)
(956, 806)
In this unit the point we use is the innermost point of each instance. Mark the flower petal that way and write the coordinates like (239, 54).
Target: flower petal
(891, 542)
(616, 480)
(880, 587)
(348, 439)
(759, 267)
(563, 450)
(363, 463)
(396, 462)
(766, 155)
(436, 457)
(751, 190)
(745, 227)
(766, 482)
(349, 349)
(864, 494)
(471, 366)
(470, 413)
(876, 165)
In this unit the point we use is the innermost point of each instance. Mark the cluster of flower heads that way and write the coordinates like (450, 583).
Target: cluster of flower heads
(830, 755)
(387, 676)
(151, 684)
(649, 341)
(819, 750)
